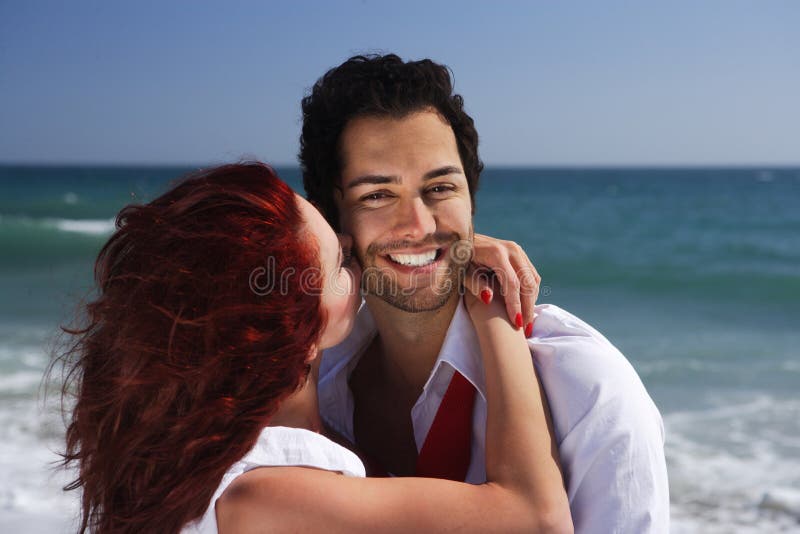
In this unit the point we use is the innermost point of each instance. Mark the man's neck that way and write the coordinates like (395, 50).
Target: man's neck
(409, 343)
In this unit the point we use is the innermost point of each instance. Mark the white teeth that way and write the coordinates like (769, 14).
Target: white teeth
(414, 260)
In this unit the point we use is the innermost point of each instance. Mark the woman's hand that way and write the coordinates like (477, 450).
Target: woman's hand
(480, 312)
(516, 278)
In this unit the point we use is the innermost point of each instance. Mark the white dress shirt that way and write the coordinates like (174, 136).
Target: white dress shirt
(609, 432)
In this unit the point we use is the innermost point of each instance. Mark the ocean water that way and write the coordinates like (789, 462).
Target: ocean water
(693, 273)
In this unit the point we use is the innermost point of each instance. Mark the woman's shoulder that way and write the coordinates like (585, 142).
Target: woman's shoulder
(279, 446)
(298, 447)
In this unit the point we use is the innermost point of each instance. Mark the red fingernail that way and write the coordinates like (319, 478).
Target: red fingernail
(519, 320)
(529, 330)
(486, 296)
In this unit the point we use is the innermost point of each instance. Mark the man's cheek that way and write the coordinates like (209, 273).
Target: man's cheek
(360, 250)
(457, 219)
(345, 215)
(350, 222)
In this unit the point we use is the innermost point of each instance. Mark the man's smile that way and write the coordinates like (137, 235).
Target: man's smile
(416, 261)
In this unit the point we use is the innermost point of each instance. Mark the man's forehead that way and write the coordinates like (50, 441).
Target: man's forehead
(384, 127)
(389, 147)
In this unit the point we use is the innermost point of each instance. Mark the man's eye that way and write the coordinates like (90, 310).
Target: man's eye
(439, 189)
(377, 195)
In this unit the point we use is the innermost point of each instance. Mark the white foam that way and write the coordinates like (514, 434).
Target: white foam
(31, 495)
(765, 176)
(31, 433)
(84, 226)
(20, 382)
(23, 360)
(792, 366)
(28, 356)
(733, 466)
(81, 226)
(785, 500)
(41, 522)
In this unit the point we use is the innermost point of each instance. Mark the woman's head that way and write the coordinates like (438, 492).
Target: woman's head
(341, 273)
(186, 353)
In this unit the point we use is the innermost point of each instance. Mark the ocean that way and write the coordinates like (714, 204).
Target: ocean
(693, 273)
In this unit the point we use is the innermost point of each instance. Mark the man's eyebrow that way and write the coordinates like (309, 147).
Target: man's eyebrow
(376, 179)
(442, 171)
(373, 179)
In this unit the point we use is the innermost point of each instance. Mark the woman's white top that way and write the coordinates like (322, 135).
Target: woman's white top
(280, 446)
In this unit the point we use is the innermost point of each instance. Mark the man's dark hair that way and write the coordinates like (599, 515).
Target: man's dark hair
(376, 85)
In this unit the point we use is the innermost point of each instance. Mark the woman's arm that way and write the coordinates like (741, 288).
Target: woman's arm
(524, 490)
(521, 453)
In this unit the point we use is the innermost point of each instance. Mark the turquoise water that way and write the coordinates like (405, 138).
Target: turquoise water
(693, 273)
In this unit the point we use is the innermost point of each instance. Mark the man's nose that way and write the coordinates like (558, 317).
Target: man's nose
(414, 219)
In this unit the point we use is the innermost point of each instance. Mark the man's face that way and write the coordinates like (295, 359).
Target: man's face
(406, 202)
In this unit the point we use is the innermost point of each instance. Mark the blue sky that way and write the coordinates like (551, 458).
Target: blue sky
(548, 83)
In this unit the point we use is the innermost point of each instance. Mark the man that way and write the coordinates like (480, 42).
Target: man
(391, 158)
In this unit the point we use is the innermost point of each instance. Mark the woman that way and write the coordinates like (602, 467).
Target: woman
(195, 381)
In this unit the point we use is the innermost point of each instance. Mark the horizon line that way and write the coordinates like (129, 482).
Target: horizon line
(487, 166)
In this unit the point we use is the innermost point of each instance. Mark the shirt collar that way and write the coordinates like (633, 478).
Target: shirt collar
(461, 350)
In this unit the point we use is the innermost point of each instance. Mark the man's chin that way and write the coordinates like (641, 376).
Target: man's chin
(412, 290)
(420, 300)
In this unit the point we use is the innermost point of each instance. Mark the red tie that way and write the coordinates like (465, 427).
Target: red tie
(447, 448)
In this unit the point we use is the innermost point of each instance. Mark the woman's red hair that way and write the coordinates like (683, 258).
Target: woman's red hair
(181, 362)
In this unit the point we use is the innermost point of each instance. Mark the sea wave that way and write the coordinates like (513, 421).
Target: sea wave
(86, 226)
(733, 465)
(30, 438)
(28, 242)
(21, 382)
(81, 226)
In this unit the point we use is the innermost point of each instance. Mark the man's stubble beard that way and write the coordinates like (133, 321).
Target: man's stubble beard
(445, 281)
